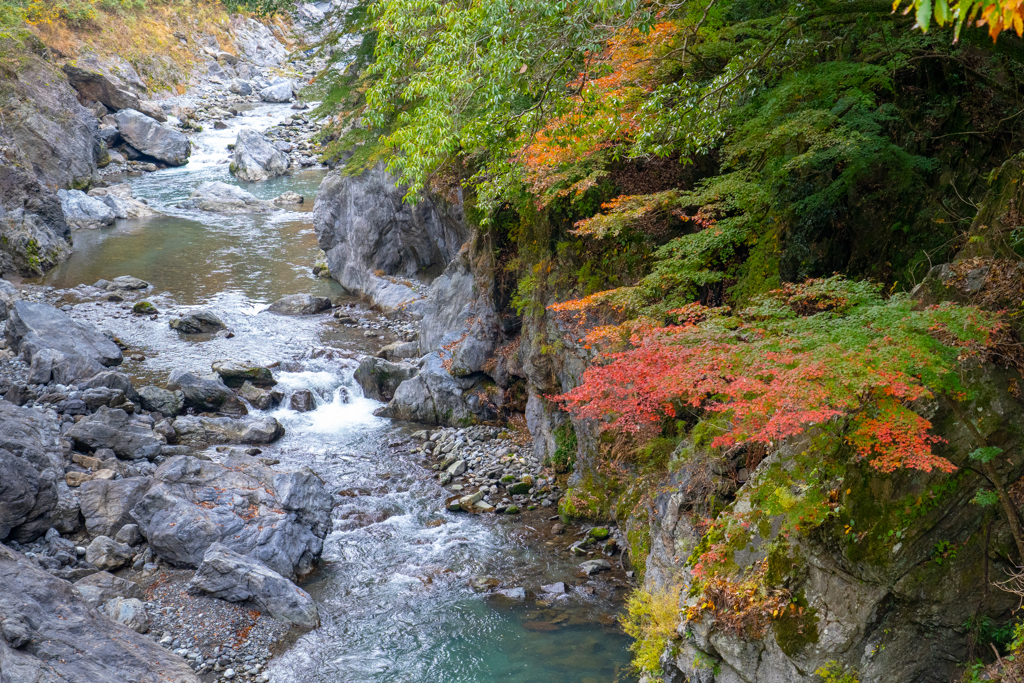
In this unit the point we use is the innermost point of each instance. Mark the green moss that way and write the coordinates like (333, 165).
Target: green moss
(798, 628)
(591, 499)
(565, 448)
(639, 539)
(599, 533)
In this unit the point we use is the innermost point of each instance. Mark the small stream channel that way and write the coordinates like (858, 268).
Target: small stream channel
(394, 587)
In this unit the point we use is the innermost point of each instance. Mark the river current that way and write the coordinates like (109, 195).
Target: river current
(394, 588)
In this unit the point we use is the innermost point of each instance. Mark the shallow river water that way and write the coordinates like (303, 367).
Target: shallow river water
(394, 591)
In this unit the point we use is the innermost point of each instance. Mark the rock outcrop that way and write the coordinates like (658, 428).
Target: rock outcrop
(34, 236)
(434, 396)
(51, 633)
(277, 518)
(300, 304)
(96, 83)
(198, 431)
(365, 228)
(229, 576)
(72, 350)
(256, 158)
(120, 200)
(106, 505)
(380, 379)
(152, 138)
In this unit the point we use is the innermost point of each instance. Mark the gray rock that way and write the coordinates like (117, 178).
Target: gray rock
(259, 398)
(205, 431)
(517, 594)
(277, 518)
(256, 158)
(300, 304)
(218, 197)
(106, 553)
(380, 379)
(110, 379)
(34, 236)
(397, 351)
(115, 429)
(120, 200)
(229, 576)
(106, 504)
(235, 373)
(122, 283)
(281, 92)
(556, 588)
(129, 534)
(98, 84)
(59, 638)
(79, 350)
(83, 212)
(364, 227)
(240, 87)
(302, 401)
(153, 138)
(591, 567)
(33, 495)
(168, 403)
(289, 198)
(434, 396)
(255, 43)
(205, 393)
(98, 588)
(128, 611)
(197, 322)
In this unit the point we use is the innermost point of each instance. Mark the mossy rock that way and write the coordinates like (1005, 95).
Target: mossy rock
(512, 510)
(508, 479)
(520, 489)
(144, 308)
(599, 533)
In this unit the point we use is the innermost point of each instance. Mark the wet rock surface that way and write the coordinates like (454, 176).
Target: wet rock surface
(218, 197)
(152, 138)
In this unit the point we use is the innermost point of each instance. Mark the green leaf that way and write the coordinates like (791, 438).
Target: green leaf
(985, 498)
(985, 454)
(924, 14)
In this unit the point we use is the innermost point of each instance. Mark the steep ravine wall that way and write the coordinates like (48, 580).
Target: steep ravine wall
(893, 586)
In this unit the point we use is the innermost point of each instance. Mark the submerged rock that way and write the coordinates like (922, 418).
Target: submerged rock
(256, 158)
(83, 212)
(153, 138)
(277, 518)
(52, 634)
(229, 576)
(300, 304)
(218, 197)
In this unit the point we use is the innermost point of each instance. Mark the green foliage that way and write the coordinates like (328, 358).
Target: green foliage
(834, 672)
(565, 448)
(985, 454)
(261, 7)
(651, 619)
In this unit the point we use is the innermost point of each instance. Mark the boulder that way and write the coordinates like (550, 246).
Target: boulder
(591, 567)
(259, 398)
(218, 197)
(199, 431)
(98, 588)
(434, 396)
(115, 429)
(33, 494)
(256, 43)
(300, 304)
(83, 212)
(121, 202)
(197, 322)
(229, 576)
(129, 535)
(256, 158)
(380, 378)
(240, 87)
(208, 394)
(302, 401)
(368, 233)
(110, 379)
(106, 553)
(277, 518)
(122, 283)
(278, 93)
(288, 198)
(235, 374)
(166, 402)
(153, 138)
(95, 84)
(400, 351)
(106, 505)
(128, 611)
(52, 635)
(77, 349)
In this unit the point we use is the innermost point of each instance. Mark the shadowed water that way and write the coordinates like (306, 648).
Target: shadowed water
(394, 588)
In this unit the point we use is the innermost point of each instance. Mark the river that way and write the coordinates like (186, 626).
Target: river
(394, 587)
